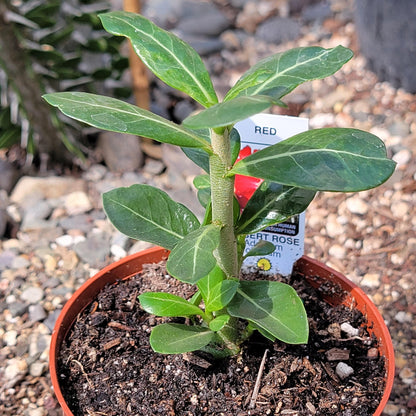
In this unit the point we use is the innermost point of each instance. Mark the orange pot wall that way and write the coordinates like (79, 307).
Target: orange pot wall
(131, 265)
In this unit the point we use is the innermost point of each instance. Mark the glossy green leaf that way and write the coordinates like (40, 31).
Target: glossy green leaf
(192, 258)
(149, 214)
(273, 306)
(279, 74)
(178, 338)
(229, 112)
(262, 248)
(235, 144)
(219, 322)
(330, 159)
(203, 185)
(167, 56)
(111, 114)
(216, 292)
(198, 156)
(166, 304)
(270, 204)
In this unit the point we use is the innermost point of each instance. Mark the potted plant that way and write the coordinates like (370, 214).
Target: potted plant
(225, 309)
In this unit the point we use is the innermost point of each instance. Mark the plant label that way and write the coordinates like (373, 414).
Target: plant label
(258, 132)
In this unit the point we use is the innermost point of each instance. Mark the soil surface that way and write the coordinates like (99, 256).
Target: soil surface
(107, 366)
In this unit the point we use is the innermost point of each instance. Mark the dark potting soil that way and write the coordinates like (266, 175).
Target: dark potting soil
(107, 366)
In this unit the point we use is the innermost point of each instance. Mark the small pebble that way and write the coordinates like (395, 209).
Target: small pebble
(343, 370)
(32, 295)
(349, 329)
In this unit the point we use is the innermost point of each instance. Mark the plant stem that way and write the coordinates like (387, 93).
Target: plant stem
(222, 194)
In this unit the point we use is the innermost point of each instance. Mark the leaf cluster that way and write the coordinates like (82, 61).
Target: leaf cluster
(209, 253)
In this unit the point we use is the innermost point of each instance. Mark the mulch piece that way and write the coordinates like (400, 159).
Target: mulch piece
(107, 366)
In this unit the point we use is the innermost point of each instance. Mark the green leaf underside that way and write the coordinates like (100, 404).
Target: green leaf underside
(228, 113)
(273, 306)
(178, 338)
(216, 291)
(218, 323)
(168, 57)
(198, 156)
(149, 214)
(235, 144)
(166, 304)
(192, 258)
(329, 159)
(262, 248)
(115, 115)
(279, 74)
(270, 204)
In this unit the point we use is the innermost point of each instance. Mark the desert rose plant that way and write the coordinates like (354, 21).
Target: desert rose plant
(225, 309)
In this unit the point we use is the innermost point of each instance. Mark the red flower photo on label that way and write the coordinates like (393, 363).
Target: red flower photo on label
(245, 186)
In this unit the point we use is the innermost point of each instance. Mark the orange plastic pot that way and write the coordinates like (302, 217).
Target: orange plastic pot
(133, 264)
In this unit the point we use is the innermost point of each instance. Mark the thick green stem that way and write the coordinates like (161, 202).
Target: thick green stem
(222, 193)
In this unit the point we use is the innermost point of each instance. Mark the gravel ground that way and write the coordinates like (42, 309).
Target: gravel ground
(58, 236)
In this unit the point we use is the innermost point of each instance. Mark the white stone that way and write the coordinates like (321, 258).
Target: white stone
(349, 329)
(371, 280)
(391, 410)
(77, 203)
(356, 205)
(10, 338)
(337, 251)
(343, 370)
(37, 369)
(402, 157)
(118, 251)
(32, 294)
(65, 240)
(15, 367)
(403, 317)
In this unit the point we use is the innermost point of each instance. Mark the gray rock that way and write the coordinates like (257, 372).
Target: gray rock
(205, 20)
(6, 259)
(164, 13)
(121, 152)
(45, 188)
(32, 295)
(8, 175)
(183, 109)
(202, 44)
(4, 201)
(317, 12)
(20, 262)
(81, 222)
(37, 313)
(17, 308)
(278, 29)
(94, 250)
(49, 322)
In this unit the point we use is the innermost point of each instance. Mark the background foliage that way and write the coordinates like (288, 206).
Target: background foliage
(64, 48)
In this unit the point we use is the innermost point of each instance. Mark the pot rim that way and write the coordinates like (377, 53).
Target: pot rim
(132, 264)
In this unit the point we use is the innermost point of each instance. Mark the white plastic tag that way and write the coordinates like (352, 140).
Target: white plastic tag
(258, 132)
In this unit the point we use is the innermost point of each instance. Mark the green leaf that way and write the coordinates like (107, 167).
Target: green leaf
(219, 322)
(192, 258)
(279, 74)
(217, 292)
(228, 113)
(274, 307)
(235, 144)
(166, 304)
(167, 56)
(329, 159)
(149, 214)
(198, 156)
(270, 204)
(203, 185)
(262, 248)
(177, 338)
(111, 114)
